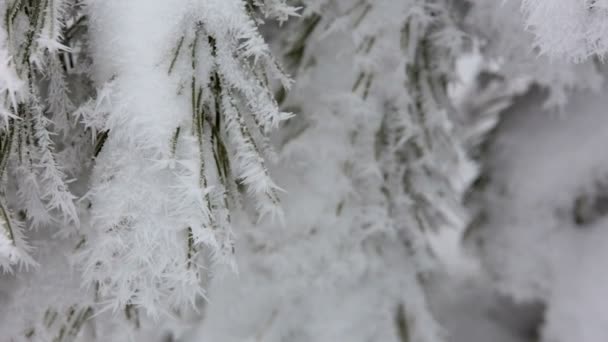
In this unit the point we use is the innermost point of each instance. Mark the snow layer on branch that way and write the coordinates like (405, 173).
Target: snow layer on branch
(186, 108)
(134, 194)
(574, 30)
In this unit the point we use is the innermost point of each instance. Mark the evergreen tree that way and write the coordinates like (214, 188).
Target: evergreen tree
(145, 146)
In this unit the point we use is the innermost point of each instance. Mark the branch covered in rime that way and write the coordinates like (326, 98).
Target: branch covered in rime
(187, 110)
(388, 120)
(569, 29)
(130, 162)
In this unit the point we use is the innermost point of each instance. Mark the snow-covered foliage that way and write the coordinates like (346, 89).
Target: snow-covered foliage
(569, 29)
(380, 131)
(187, 114)
(145, 146)
(34, 186)
(129, 142)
